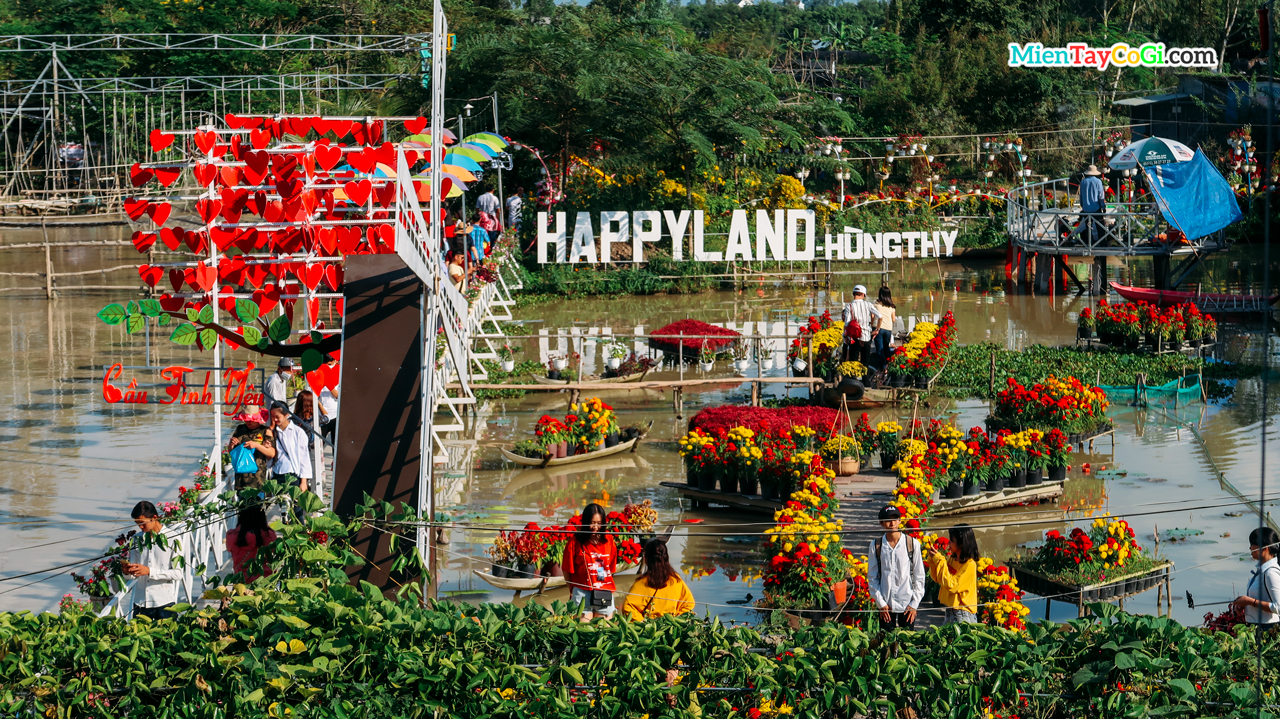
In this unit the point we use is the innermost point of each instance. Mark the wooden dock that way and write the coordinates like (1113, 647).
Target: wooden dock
(1008, 497)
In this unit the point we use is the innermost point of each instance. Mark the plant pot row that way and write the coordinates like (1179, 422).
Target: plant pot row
(560, 450)
(526, 571)
(734, 483)
(1038, 584)
(897, 380)
(1013, 480)
(1135, 341)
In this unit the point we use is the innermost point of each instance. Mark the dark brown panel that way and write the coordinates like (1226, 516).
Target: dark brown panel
(379, 447)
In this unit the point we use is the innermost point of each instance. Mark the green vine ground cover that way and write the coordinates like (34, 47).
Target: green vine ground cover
(968, 370)
(307, 650)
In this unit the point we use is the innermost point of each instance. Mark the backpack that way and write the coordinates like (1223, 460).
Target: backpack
(911, 557)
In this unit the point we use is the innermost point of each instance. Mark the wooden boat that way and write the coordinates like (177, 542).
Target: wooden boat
(527, 584)
(575, 459)
(633, 377)
(1207, 302)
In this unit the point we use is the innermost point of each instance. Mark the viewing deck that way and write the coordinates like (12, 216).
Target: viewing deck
(1045, 218)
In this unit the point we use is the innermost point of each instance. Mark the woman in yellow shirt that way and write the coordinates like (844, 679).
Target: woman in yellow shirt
(660, 590)
(957, 578)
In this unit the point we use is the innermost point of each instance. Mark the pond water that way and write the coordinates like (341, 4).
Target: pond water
(71, 466)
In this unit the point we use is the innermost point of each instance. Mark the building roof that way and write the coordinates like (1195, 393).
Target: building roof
(1150, 99)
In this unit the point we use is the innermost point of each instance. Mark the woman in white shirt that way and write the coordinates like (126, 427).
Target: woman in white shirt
(1261, 600)
(883, 339)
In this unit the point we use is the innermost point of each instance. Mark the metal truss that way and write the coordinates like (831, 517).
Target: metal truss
(218, 41)
(195, 83)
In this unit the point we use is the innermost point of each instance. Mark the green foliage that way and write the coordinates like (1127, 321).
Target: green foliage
(184, 334)
(311, 359)
(520, 374)
(247, 310)
(252, 335)
(112, 314)
(279, 329)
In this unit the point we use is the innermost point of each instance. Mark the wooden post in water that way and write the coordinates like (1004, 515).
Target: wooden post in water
(48, 262)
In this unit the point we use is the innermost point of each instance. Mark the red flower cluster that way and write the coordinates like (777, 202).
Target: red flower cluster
(320, 536)
(550, 427)
(1129, 321)
(764, 419)
(1067, 404)
(671, 335)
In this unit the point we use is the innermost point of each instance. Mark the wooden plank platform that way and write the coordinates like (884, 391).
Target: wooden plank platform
(1004, 498)
(735, 500)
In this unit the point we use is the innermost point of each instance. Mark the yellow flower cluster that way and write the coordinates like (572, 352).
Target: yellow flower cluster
(1002, 609)
(918, 339)
(744, 440)
(1019, 442)
(803, 431)
(851, 369)
(888, 428)
(796, 527)
(769, 708)
(1119, 531)
(840, 445)
(832, 337)
(912, 448)
(693, 442)
(1075, 389)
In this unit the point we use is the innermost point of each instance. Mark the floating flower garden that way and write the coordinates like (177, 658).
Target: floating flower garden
(692, 338)
(1131, 324)
(1068, 405)
(539, 551)
(924, 353)
(590, 425)
(1107, 559)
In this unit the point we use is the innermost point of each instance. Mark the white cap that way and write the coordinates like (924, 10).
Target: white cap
(859, 290)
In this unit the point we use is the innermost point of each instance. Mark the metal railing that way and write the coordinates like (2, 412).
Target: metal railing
(1046, 217)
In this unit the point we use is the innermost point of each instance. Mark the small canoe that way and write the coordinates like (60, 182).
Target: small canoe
(595, 379)
(527, 584)
(587, 457)
(1169, 298)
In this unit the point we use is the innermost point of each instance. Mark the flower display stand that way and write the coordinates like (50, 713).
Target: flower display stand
(700, 498)
(1009, 496)
(1116, 589)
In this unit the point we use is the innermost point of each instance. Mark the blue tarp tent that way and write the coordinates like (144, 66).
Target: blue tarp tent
(1193, 196)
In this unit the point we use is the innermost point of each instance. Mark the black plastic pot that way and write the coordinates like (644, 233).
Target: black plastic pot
(887, 461)
(865, 460)
(1075, 438)
(922, 382)
(995, 484)
(1034, 477)
(897, 380)
(1018, 479)
(972, 489)
(691, 477)
(611, 439)
(955, 490)
(1057, 474)
(769, 490)
(707, 482)
(499, 571)
(553, 374)
(525, 571)
(1084, 333)
(747, 485)
(728, 483)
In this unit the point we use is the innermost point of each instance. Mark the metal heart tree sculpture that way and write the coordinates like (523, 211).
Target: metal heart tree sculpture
(317, 188)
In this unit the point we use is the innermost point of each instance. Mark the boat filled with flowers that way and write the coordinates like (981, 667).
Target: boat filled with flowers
(589, 431)
(1067, 404)
(1105, 562)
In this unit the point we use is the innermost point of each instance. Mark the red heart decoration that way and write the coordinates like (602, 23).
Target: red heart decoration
(232, 271)
(139, 175)
(416, 125)
(177, 278)
(363, 161)
(256, 164)
(159, 212)
(237, 147)
(228, 304)
(386, 194)
(315, 380)
(349, 239)
(259, 139)
(358, 192)
(160, 140)
(233, 202)
(150, 275)
(333, 276)
(205, 173)
(259, 206)
(284, 165)
(310, 275)
(135, 208)
(166, 175)
(143, 240)
(208, 209)
(309, 202)
(327, 238)
(313, 313)
(254, 275)
(169, 303)
(266, 298)
(358, 133)
(229, 176)
(386, 154)
(274, 211)
(327, 157)
(223, 237)
(410, 157)
(234, 122)
(382, 234)
(194, 241)
(204, 277)
(247, 240)
(309, 166)
(375, 132)
(288, 189)
(287, 306)
(172, 237)
(205, 140)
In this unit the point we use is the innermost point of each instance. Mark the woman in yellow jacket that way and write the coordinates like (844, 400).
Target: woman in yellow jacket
(957, 578)
(660, 590)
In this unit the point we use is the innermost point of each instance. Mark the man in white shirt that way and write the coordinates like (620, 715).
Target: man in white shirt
(293, 460)
(277, 384)
(151, 563)
(868, 318)
(895, 573)
(515, 203)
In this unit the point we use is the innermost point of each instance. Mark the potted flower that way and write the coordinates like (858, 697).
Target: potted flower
(741, 356)
(615, 353)
(1058, 452)
(507, 357)
(841, 453)
(531, 448)
(1084, 325)
(866, 436)
(529, 550)
(555, 540)
(553, 435)
(766, 362)
(887, 440)
(558, 363)
(1037, 457)
(500, 554)
(706, 357)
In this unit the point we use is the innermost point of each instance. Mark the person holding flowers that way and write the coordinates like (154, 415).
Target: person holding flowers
(957, 576)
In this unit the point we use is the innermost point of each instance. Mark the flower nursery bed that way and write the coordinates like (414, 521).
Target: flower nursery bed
(692, 335)
(1079, 594)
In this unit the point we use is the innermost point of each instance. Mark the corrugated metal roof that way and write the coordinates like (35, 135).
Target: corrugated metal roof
(1151, 99)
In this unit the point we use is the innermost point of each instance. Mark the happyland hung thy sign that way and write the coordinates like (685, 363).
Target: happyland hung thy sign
(778, 235)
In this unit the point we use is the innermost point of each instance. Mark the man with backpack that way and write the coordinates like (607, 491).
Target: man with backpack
(895, 572)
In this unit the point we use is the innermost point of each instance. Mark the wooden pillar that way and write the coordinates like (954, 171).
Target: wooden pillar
(379, 452)
(1042, 274)
(1161, 272)
(1098, 285)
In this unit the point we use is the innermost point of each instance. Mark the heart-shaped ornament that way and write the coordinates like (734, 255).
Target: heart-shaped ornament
(160, 140)
(167, 175)
(358, 192)
(205, 140)
(327, 157)
(208, 208)
(259, 139)
(139, 175)
(143, 240)
(172, 236)
(416, 125)
(159, 212)
(150, 275)
(135, 208)
(205, 173)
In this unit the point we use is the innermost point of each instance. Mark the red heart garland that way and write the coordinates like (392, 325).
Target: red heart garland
(247, 240)
(177, 278)
(358, 133)
(237, 147)
(143, 240)
(159, 212)
(232, 271)
(204, 277)
(333, 275)
(205, 140)
(205, 173)
(169, 303)
(139, 175)
(288, 189)
(349, 239)
(375, 132)
(256, 164)
(386, 154)
(160, 140)
(315, 380)
(363, 161)
(259, 206)
(274, 211)
(150, 275)
(327, 157)
(194, 240)
(416, 125)
(358, 192)
(386, 194)
(223, 237)
(234, 122)
(229, 176)
(166, 175)
(233, 202)
(266, 298)
(172, 237)
(226, 301)
(313, 313)
(135, 208)
(208, 209)
(259, 139)
(284, 166)
(255, 275)
(327, 238)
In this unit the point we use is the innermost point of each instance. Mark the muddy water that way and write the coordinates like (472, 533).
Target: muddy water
(71, 467)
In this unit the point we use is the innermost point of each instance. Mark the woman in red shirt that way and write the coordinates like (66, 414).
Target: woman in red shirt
(590, 559)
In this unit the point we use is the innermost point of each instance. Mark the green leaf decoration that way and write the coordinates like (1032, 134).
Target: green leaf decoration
(247, 310)
(252, 335)
(311, 359)
(316, 336)
(112, 314)
(131, 308)
(192, 315)
(135, 324)
(208, 338)
(151, 308)
(164, 320)
(279, 329)
(263, 343)
(206, 314)
(184, 334)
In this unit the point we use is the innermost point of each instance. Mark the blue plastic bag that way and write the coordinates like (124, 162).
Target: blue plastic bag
(243, 461)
